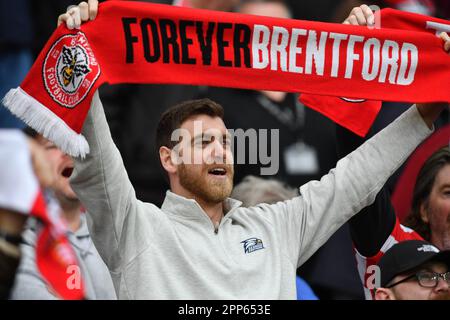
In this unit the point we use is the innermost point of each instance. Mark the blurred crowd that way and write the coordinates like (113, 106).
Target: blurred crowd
(310, 145)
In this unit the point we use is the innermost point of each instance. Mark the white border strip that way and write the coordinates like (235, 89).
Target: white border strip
(44, 121)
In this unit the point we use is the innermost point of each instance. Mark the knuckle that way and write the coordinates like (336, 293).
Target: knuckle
(71, 8)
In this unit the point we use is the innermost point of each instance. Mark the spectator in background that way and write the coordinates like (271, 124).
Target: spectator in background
(23, 169)
(414, 270)
(430, 215)
(403, 192)
(253, 191)
(29, 282)
(376, 228)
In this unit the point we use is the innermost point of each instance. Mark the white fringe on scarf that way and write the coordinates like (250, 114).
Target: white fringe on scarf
(44, 121)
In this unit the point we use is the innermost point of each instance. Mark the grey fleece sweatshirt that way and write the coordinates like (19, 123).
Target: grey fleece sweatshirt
(31, 285)
(173, 252)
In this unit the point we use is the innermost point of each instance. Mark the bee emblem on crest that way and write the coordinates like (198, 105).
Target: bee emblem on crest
(74, 66)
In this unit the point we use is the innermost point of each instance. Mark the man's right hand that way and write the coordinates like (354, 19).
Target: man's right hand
(361, 16)
(76, 15)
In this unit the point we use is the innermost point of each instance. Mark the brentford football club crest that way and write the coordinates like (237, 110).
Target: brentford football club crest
(70, 70)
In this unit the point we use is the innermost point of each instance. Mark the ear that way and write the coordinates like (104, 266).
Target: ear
(424, 213)
(384, 294)
(165, 156)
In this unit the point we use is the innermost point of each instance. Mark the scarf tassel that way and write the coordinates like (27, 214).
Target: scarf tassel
(44, 121)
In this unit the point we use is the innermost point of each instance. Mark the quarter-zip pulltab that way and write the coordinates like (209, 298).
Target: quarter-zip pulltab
(216, 228)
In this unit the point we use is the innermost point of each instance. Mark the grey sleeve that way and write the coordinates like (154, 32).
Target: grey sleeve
(306, 222)
(29, 284)
(102, 184)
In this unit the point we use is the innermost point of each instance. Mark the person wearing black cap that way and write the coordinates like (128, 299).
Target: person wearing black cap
(414, 270)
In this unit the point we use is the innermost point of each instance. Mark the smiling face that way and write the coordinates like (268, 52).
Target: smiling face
(63, 165)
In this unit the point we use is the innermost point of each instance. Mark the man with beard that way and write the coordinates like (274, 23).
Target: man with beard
(61, 199)
(414, 270)
(201, 244)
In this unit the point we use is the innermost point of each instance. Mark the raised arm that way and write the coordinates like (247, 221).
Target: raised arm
(101, 183)
(306, 222)
(100, 180)
(371, 227)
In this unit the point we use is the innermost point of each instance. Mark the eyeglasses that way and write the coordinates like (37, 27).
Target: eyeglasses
(426, 279)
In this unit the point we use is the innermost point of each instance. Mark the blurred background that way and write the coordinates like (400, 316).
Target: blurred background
(306, 136)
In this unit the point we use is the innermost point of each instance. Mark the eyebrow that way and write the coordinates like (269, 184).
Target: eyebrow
(199, 136)
(49, 145)
(429, 268)
(203, 135)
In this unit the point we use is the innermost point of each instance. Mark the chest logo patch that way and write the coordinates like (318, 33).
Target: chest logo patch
(252, 244)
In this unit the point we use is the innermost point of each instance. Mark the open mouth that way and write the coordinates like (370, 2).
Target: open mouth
(218, 171)
(67, 172)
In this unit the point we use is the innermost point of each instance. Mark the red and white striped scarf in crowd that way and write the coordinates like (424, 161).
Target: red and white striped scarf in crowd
(20, 192)
(132, 42)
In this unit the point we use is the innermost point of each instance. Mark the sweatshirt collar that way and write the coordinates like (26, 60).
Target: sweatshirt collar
(189, 208)
(83, 230)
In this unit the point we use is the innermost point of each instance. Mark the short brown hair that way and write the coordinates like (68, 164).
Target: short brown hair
(422, 189)
(174, 117)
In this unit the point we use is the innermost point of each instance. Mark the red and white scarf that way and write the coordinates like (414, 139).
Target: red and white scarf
(132, 42)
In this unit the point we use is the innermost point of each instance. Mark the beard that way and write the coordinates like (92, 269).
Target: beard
(204, 185)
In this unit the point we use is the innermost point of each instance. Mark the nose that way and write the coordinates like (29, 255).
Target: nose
(66, 159)
(443, 285)
(65, 156)
(219, 150)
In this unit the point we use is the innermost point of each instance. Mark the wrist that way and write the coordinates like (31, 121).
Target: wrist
(430, 112)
